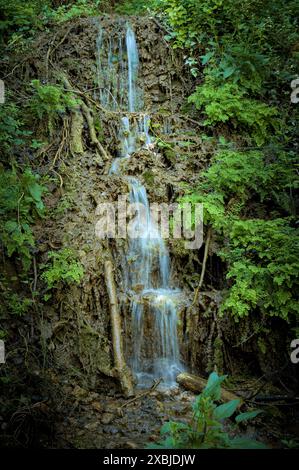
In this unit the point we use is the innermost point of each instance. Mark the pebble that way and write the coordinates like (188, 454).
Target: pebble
(107, 418)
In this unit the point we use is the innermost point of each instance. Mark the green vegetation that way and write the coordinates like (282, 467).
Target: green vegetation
(248, 200)
(134, 7)
(73, 10)
(228, 103)
(240, 60)
(50, 102)
(21, 20)
(247, 58)
(209, 428)
(20, 204)
(64, 267)
(12, 132)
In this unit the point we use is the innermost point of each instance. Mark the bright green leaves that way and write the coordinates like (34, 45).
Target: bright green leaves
(248, 415)
(50, 102)
(261, 254)
(263, 265)
(226, 410)
(12, 133)
(213, 387)
(62, 267)
(229, 103)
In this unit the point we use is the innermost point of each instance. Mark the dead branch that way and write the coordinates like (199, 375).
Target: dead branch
(203, 269)
(196, 384)
(119, 360)
(143, 394)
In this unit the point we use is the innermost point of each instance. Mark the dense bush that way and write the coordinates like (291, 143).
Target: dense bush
(248, 199)
(246, 58)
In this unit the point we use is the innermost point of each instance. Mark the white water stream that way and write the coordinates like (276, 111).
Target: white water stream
(146, 265)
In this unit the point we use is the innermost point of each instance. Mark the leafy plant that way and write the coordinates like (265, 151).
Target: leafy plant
(134, 7)
(20, 204)
(12, 133)
(206, 429)
(18, 305)
(50, 102)
(62, 267)
(261, 254)
(263, 265)
(228, 103)
(73, 10)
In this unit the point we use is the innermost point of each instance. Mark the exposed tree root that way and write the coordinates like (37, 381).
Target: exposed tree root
(93, 136)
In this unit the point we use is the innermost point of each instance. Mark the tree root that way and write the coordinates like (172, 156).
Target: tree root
(93, 136)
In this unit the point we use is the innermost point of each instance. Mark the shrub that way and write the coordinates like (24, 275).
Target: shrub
(63, 267)
(20, 204)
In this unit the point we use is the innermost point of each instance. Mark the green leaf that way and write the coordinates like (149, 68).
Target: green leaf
(248, 415)
(226, 410)
(36, 191)
(212, 388)
(205, 58)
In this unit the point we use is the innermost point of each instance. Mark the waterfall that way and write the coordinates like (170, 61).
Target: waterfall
(146, 264)
(133, 62)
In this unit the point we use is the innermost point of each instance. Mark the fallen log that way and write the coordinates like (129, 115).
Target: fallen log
(123, 371)
(196, 384)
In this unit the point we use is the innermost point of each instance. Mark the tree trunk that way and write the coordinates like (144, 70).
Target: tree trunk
(196, 384)
(119, 361)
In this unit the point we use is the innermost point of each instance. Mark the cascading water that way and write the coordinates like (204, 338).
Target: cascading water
(146, 266)
(133, 62)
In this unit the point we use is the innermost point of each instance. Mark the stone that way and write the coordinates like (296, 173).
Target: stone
(107, 418)
(96, 405)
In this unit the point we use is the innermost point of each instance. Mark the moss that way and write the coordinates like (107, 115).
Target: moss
(149, 177)
(218, 354)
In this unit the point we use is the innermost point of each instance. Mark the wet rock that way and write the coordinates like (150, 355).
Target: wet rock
(107, 418)
(80, 392)
(96, 405)
(92, 426)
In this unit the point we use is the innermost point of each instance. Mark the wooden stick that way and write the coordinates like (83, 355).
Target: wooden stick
(119, 361)
(204, 263)
(143, 394)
